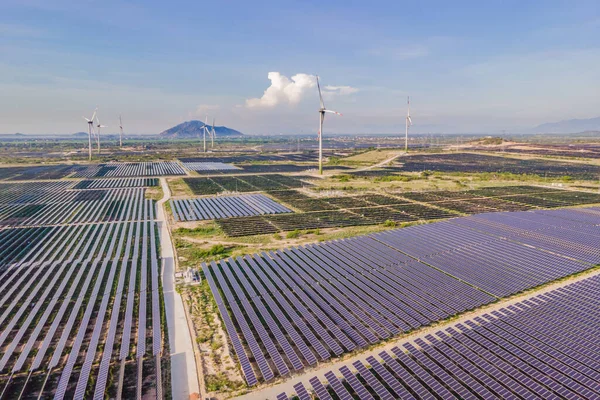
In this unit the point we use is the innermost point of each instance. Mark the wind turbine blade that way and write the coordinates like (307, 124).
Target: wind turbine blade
(94, 114)
(320, 95)
(333, 112)
(409, 121)
(120, 122)
(86, 119)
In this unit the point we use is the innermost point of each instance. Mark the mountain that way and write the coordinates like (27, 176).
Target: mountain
(194, 129)
(570, 126)
(80, 134)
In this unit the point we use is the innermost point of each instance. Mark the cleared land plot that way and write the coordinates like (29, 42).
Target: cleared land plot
(538, 348)
(476, 163)
(138, 169)
(219, 184)
(225, 207)
(80, 309)
(285, 310)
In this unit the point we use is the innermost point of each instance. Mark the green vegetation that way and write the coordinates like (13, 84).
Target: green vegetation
(293, 234)
(220, 383)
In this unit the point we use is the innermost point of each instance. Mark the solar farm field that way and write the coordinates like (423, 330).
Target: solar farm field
(116, 183)
(80, 293)
(371, 209)
(37, 173)
(476, 163)
(250, 183)
(225, 207)
(126, 170)
(286, 310)
(209, 166)
(246, 158)
(545, 347)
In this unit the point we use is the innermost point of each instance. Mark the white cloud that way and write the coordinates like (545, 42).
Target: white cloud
(291, 91)
(332, 91)
(202, 110)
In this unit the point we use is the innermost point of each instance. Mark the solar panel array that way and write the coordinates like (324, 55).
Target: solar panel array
(225, 207)
(209, 166)
(78, 302)
(334, 297)
(135, 169)
(545, 347)
(74, 206)
(116, 183)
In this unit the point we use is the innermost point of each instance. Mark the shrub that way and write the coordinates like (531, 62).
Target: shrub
(293, 234)
(389, 223)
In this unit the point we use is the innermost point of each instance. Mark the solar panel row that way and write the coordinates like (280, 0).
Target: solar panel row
(545, 347)
(225, 207)
(122, 170)
(68, 295)
(75, 207)
(366, 289)
(209, 166)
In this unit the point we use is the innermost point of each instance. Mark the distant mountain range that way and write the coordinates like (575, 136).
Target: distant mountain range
(194, 129)
(570, 126)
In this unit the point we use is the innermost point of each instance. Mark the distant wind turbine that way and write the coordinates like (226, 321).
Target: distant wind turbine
(322, 112)
(90, 123)
(98, 132)
(204, 130)
(213, 134)
(121, 131)
(408, 123)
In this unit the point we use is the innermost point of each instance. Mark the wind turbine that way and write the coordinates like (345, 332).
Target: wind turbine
(408, 123)
(98, 132)
(121, 132)
(213, 134)
(204, 130)
(322, 112)
(90, 130)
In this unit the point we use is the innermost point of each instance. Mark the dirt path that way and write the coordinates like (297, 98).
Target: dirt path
(380, 164)
(271, 392)
(184, 374)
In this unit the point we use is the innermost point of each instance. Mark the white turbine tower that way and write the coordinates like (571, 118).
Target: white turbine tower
(213, 134)
(121, 131)
(408, 123)
(98, 132)
(322, 112)
(90, 123)
(204, 130)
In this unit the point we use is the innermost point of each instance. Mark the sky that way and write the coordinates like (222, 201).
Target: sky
(468, 66)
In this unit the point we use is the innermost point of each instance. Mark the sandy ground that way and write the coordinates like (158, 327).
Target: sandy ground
(184, 376)
(271, 392)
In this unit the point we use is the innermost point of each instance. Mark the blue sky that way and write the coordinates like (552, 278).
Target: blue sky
(469, 66)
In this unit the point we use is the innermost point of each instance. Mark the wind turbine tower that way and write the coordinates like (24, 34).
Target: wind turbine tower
(408, 123)
(322, 112)
(98, 132)
(90, 123)
(213, 134)
(204, 129)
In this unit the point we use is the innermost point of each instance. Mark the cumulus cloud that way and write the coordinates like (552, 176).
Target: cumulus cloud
(291, 91)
